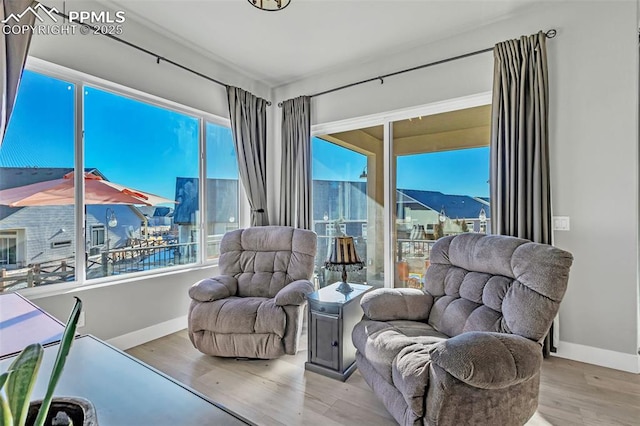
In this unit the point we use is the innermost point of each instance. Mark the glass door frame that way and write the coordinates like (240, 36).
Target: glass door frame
(386, 120)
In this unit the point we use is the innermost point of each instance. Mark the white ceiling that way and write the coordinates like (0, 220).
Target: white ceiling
(310, 36)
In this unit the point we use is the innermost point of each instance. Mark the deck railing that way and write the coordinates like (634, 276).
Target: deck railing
(143, 258)
(139, 256)
(55, 271)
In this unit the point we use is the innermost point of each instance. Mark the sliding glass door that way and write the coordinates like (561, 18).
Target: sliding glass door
(348, 200)
(441, 164)
(399, 186)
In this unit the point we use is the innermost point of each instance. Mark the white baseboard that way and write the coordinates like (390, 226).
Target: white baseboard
(148, 334)
(602, 357)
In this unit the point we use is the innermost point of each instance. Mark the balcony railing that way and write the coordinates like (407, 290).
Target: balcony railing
(37, 275)
(139, 256)
(413, 248)
(144, 258)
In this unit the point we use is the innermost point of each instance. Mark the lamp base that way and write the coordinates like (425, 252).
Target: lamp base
(344, 288)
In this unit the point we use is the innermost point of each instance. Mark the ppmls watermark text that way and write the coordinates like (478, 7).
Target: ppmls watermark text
(76, 22)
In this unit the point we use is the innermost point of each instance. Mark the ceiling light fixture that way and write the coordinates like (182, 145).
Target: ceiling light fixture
(270, 5)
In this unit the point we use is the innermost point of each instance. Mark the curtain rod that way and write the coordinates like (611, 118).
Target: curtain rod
(549, 34)
(142, 49)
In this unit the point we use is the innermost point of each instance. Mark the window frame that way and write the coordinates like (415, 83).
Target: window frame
(80, 80)
(97, 229)
(5, 236)
(244, 209)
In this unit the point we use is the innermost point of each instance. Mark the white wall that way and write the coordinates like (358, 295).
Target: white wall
(593, 73)
(117, 310)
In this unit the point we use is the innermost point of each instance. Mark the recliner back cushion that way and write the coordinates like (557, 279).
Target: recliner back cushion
(266, 258)
(495, 283)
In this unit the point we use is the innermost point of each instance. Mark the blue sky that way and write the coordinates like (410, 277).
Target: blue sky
(460, 172)
(132, 143)
(146, 147)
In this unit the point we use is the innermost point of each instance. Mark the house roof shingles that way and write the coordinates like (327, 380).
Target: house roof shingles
(455, 206)
(13, 177)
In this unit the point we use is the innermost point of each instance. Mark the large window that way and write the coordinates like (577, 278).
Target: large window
(143, 177)
(37, 148)
(222, 186)
(150, 149)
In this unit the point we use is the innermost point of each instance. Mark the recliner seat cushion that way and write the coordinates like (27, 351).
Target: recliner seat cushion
(239, 315)
(381, 341)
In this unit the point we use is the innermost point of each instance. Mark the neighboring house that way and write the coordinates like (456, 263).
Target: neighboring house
(222, 206)
(341, 207)
(158, 219)
(31, 235)
(45, 234)
(425, 207)
(345, 201)
(130, 223)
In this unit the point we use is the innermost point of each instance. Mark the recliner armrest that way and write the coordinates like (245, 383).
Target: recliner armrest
(387, 304)
(488, 360)
(294, 293)
(210, 289)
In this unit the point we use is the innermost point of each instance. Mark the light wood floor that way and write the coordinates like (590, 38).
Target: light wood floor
(281, 392)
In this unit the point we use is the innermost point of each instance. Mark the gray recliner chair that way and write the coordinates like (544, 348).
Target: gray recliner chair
(466, 350)
(255, 307)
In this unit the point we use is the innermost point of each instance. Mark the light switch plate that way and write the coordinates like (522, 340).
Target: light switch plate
(561, 223)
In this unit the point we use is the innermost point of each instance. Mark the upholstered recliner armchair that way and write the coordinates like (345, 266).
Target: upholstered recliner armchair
(255, 307)
(467, 350)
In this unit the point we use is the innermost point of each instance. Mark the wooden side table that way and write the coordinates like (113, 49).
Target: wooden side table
(22, 323)
(332, 316)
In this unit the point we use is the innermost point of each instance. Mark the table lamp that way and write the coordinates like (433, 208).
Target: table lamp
(343, 257)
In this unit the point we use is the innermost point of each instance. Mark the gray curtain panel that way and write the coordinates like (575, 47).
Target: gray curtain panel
(295, 189)
(248, 115)
(520, 189)
(519, 169)
(14, 55)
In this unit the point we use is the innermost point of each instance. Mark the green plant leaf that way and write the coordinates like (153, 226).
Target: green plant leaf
(6, 418)
(3, 378)
(5, 413)
(19, 384)
(63, 350)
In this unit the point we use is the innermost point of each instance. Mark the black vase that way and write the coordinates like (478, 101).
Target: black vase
(81, 411)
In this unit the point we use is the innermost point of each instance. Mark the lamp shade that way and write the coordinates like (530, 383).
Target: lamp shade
(343, 258)
(343, 254)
